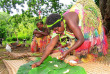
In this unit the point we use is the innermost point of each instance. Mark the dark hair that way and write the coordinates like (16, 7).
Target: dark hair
(40, 22)
(53, 18)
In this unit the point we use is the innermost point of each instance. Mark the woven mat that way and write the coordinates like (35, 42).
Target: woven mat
(13, 65)
(2, 71)
(55, 54)
(90, 67)
(95, 68)
(19, 55)
(32, 58)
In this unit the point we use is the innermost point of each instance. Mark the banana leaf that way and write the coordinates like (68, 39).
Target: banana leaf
(69, 70)
(24, 69)
(49, 58)
(37, 70)
(50, 66)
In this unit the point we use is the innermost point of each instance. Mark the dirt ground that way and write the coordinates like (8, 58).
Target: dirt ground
(106, 59)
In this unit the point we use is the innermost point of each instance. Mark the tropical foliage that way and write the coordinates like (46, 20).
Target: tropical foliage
(34, 6)
(22, 27)
(3, 24)
(19, 27)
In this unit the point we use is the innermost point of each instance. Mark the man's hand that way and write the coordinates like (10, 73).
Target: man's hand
(36, 64)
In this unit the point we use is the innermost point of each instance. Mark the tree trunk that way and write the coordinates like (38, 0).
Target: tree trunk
(107, 15)
(104, 6)
(17, 37)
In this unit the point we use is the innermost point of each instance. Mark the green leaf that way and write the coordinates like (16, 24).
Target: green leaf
(48, 67)
(69, 70)
(49, 58)
(38, 58)
(43, 70)
(24, 69)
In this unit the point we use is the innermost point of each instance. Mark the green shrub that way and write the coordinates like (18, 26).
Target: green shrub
(14, 38)
(9, 39)
(20, 38)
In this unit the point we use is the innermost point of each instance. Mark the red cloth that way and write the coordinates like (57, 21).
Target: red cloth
(38, 44)
(85, 45)
(105, 44)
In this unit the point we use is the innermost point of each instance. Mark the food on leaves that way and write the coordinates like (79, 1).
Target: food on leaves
(48, 67)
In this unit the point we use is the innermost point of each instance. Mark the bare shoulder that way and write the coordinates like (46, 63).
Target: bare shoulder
(72, 20)
(71, 16)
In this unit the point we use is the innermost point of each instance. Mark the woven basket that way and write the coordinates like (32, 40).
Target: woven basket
(13, 65)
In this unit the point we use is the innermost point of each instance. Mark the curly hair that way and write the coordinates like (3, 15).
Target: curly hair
(52, 19)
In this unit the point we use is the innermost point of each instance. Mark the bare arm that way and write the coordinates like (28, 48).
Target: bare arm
(72, 22)
(45, 33)
(48, 50)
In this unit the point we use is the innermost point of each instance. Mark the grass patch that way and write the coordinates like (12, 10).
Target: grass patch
(2, 50)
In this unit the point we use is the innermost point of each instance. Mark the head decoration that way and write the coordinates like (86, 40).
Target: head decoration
(54, 22)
